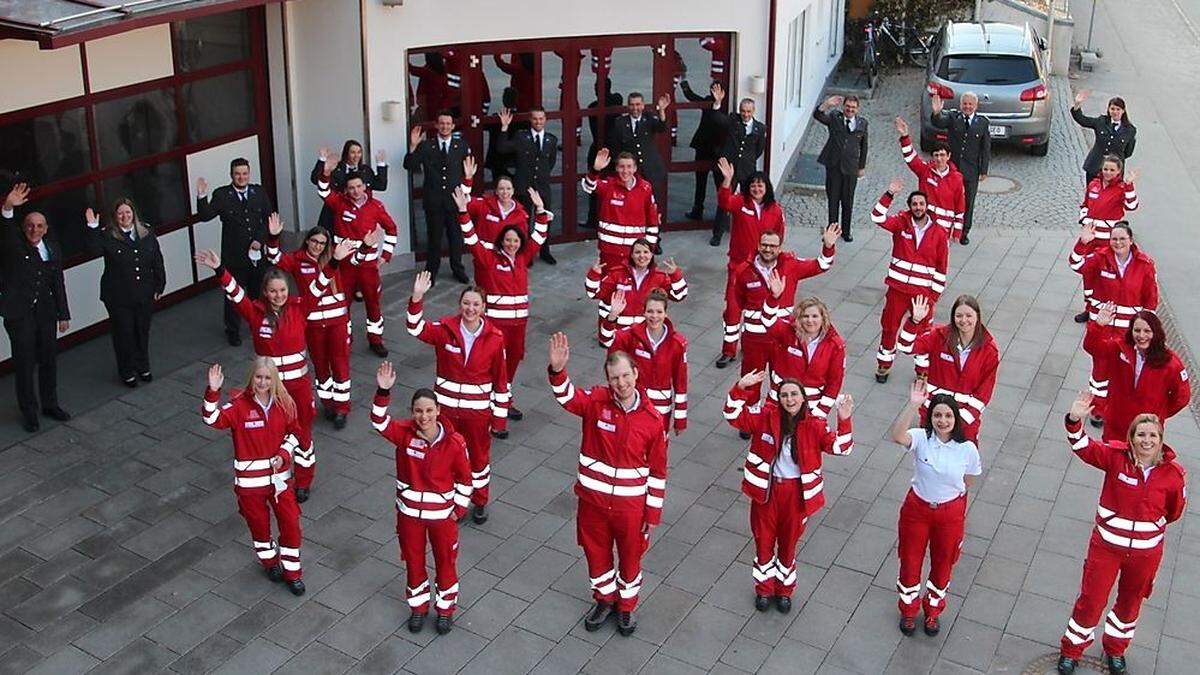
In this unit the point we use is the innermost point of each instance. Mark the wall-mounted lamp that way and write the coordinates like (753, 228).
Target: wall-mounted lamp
(758, 84)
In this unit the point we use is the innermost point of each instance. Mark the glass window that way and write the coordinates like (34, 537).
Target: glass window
(47, 148)
(64, 213)
(218, 106)
(136, 126)
(212, 40)
(512, 80)
(988, 69)
(426, 85)
(158, 191)
(702, 61)
(553, 91)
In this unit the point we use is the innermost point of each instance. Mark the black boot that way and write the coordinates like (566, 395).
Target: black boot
(1116, 664)
(479, 514)
(881, 374)
(724, 360)
(596, 618)
(461, 277)
(1081, 317)
(626, 624)
(514, 414)
(500, 433)
(296, 586)
(275, 573)
(55, 412)
(339, 421)
(380, 350)
(301, 495)
(744, 435)
(908, 625)
(547, 257)
(846, 236)
(444, 623)
(783, 604)
(416, 621)
(1066, 666)
(762, 603)
(932, 626)
(329, 413)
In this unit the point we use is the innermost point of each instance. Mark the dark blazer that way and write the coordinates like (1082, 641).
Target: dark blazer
(639, 143)
(242, 221)
(845, 150)
(970, 146)
(26, 279)
(133, 271)
(710, 133)
(534, 164)
(443, 171)
(1108, 142)
(376, 180)
(740, 148)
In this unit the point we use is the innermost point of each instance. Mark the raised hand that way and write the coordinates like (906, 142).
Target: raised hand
(331, 163)
(917, 395)
(726, 169)
(1132, 175)
(752, 379)
(664, 102)
(617, 304)
(460, 199)
(602, 159)
(895, 186)
(415, 137)
(668, 265)
(323, 153)
(830, 235)
(1087, 232)
(901, 126)
(920, 308)
(372, 238)
(1081, 407)
(470, 166)
(208, 258)
(274, 224)
(216, 377)
(1081, 97)
(90, 217)
(380, 157)
(1104, 316)
(560, 352)
(201, 187)
(385, 375)
(343, 250)
(536, 199)
(776, 284)
(845, 406)
(834, 101)
(506, 118)
(937, 104)
(718, 92)
(421, 285)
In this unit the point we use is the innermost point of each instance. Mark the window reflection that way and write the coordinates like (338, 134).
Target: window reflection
(135, 126)
(158, 191)
(47, 148)
(218, 106)
(212, 40)
(64, 213)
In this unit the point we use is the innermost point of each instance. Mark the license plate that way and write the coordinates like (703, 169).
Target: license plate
(997, 131)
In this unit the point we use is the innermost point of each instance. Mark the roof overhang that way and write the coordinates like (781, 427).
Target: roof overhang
(59, 23)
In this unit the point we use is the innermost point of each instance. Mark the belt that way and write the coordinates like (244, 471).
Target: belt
(936, 505)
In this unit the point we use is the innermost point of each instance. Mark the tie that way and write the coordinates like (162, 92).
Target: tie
(445, 148)
(242, 197)
(849, 124)
(129, 236)
(633, 125)
(537, 141)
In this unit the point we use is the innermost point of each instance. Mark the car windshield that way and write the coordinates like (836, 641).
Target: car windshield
(979, 69)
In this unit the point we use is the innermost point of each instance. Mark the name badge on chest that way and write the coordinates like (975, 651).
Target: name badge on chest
(754, 284)
(1107, 275)
(255, 424)
(606, 426)
(617, 202)
(641, 353)
(453, 349)
(413, 452)
(946, 357)
(265, 331)
(1127, 479)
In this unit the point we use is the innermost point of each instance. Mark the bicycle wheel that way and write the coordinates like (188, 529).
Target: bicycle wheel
(870, 67)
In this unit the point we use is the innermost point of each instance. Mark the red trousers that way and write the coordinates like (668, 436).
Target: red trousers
(1102, 567)
(940, 529)
(895, 306)
(442, 536)
(365, 279)
(598, 529)
(475, 427)
(732, 316)
(514, 343)
(777, 526)
(301, 391)
(256, 506)
(757, 352)
(329, 347)
(1098, 386)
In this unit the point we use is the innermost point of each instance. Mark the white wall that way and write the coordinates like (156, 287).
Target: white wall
(793, 114)
(33, 76)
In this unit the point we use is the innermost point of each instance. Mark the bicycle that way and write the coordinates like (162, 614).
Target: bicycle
(870, 64)
(905, 42)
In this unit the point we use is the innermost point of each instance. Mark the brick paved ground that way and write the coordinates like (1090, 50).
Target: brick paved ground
(121, 548)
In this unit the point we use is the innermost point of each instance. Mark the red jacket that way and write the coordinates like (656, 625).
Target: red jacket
(914, 270)
(489, 219)
(354, 222)
(1131, 292)
(333, 308)
(662, 370)
(1104, 206)
(258, 436)
(1163, 390)
(283, 339)
(623, 455)
(625, 214)
(600, 286)
(717, 46)
(944, 192)
(1134, 511)
(821, 376)
(971, 383)
(475, 381)
(504, 279)
(751, 294)
(433, 480)
(747, 223)
(814, 439)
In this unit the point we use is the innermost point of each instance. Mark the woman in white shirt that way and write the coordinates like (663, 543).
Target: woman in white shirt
(934, 513)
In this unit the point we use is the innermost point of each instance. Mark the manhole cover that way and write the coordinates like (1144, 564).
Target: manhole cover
(998, 185)
(1048, 663)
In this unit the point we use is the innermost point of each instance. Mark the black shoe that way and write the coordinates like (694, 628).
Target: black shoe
(379, 349)
(339, 421)
(514, 414)
(1066, 666)
(694, 214)
(881, 374)
(234, 339)
(1116, 664)
(762, 602)
(146, 376)
(1096, 421)
(479, 514)
(932, 626)
(714, 240)
(296, 586)
(301, 495)
(847, 237)
(500, 433)
(461, 277)
(1081, 317)
(329, 413)
(596, 618)
(130, 382)
(547, 257)
(626, 624)
(444, 623)
(908, 625)
(744, 435)
(964, 240)
(31, 423)
(275, 573)
(724, 360)
(416, 621)
(783, 604)
(55, 412)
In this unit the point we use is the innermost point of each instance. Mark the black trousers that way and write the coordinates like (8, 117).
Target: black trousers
(839, 192)
(131, 336)
(702, 180)
(249, 277)
(34, 340)
(441, 219)
(970, 187)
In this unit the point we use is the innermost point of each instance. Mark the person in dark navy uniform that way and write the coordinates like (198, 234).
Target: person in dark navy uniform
(707, 142)
(1115, 134)
(440, 159)
(536, 152)
(243, 208)
(970, 144)
(634, 132)
(33, 302)
(745, 141)
(844, 156)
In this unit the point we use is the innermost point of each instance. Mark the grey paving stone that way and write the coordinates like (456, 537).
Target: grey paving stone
(703, 636)
(988, 607)
(535, 574)
(16, 561)
(361, 630)
(139, 656)
(192, 624)
(69, 660)
(63, 537)
(254, 621)
(514, 650)
(318, 659)
(745, 655)
(123, 628)
(302, 626)
(447, 654)
(356, 585)
(568, 656)
(386, 658)
(52, 603)
(553, 614)
(621, 655)
(491, 613)
(818, 624)
(185, 588)
(19, 659)
(791, 657)
(54, 637)
(56, 567)
(260, 656)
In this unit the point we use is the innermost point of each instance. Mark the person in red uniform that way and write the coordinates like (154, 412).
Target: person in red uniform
(491, 213)
(622, 479)
(766, 284)
(940, 180)
(809, 350)
(1143, 492)
(920, 259)
(1144, 375)
(278, 326)
(355, 215)
(472, 378)
(1121, 274)
(433, 490)
(959, 359)
(636, 278)
(502, 267)
(627, 210)
(327, 332)
(1105, 201)
(934, 513)
(263, 422)
(782, 476)
(658, 351)
(752, 211)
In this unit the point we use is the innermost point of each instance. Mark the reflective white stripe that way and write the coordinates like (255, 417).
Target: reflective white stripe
(814, 491)
(251, 465)
(288, 359)
(254, 482)
(1127, 542)
(754, 479)
(464, 387)
(321, 315)
(763, 572)
(1078, 634)
(426, 514)
(507, 299)
(211, 418)
(295, 374)
(496, 313)
(1130, 525)
(615, 490)
(614, 472)
(622, 229)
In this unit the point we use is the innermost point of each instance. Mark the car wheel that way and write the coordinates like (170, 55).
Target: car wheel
(1040, 150)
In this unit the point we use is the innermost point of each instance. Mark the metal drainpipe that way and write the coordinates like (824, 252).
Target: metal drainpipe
(771, 20)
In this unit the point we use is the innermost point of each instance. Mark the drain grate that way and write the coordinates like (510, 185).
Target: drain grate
(1048, 663)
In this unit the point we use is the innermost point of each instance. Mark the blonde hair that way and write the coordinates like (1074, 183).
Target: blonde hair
(278, 391)
(1145, 418)
(812, 302)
